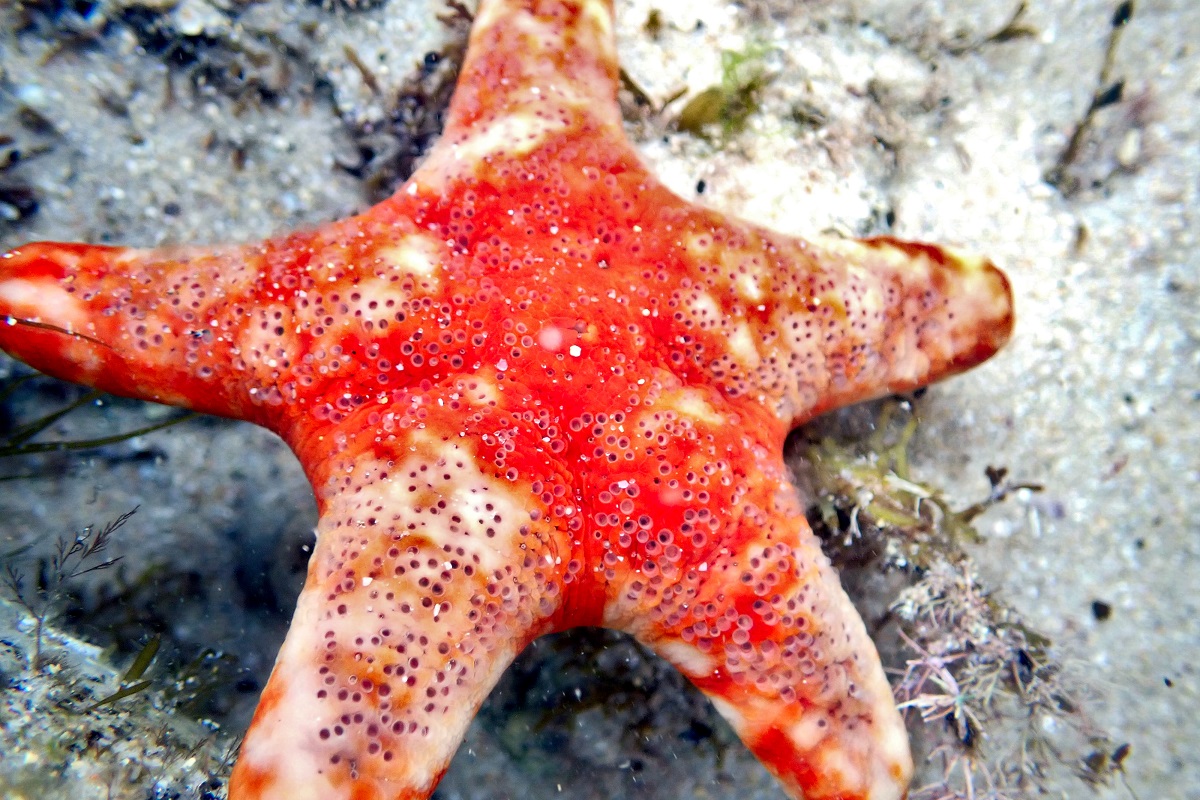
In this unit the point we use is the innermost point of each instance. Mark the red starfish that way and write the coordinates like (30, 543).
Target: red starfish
(533, 390)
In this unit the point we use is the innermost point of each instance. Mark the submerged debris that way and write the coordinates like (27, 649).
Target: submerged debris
(1123, 146)
(1002, 716)
(73, 558)
(63, 739)
(16, 439)
(727, 106)
(1015, 28)
(387, 152)
(31, 137)
(74, 726)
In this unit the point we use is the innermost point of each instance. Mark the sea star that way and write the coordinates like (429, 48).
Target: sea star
(533, 390)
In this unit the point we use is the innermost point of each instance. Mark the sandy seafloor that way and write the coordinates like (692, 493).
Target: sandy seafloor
(1097, 397)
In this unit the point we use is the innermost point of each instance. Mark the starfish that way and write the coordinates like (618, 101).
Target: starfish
(533, 390)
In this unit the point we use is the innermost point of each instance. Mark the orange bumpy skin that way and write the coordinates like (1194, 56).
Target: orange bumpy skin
(533, 390)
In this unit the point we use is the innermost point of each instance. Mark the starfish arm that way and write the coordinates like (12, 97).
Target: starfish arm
(775, 644)
(180, 325)
(244, 331)
(808, 325)
(884, 315)
(532, 68)
(430, 573)
(714, 567)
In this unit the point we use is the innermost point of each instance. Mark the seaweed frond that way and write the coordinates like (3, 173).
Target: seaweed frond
(72, 558)
(729, 104)
(1003, 715)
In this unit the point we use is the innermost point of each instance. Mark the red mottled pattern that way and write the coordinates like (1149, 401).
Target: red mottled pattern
(533, 390)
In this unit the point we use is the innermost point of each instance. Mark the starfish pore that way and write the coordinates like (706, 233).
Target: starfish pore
(533, 390)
